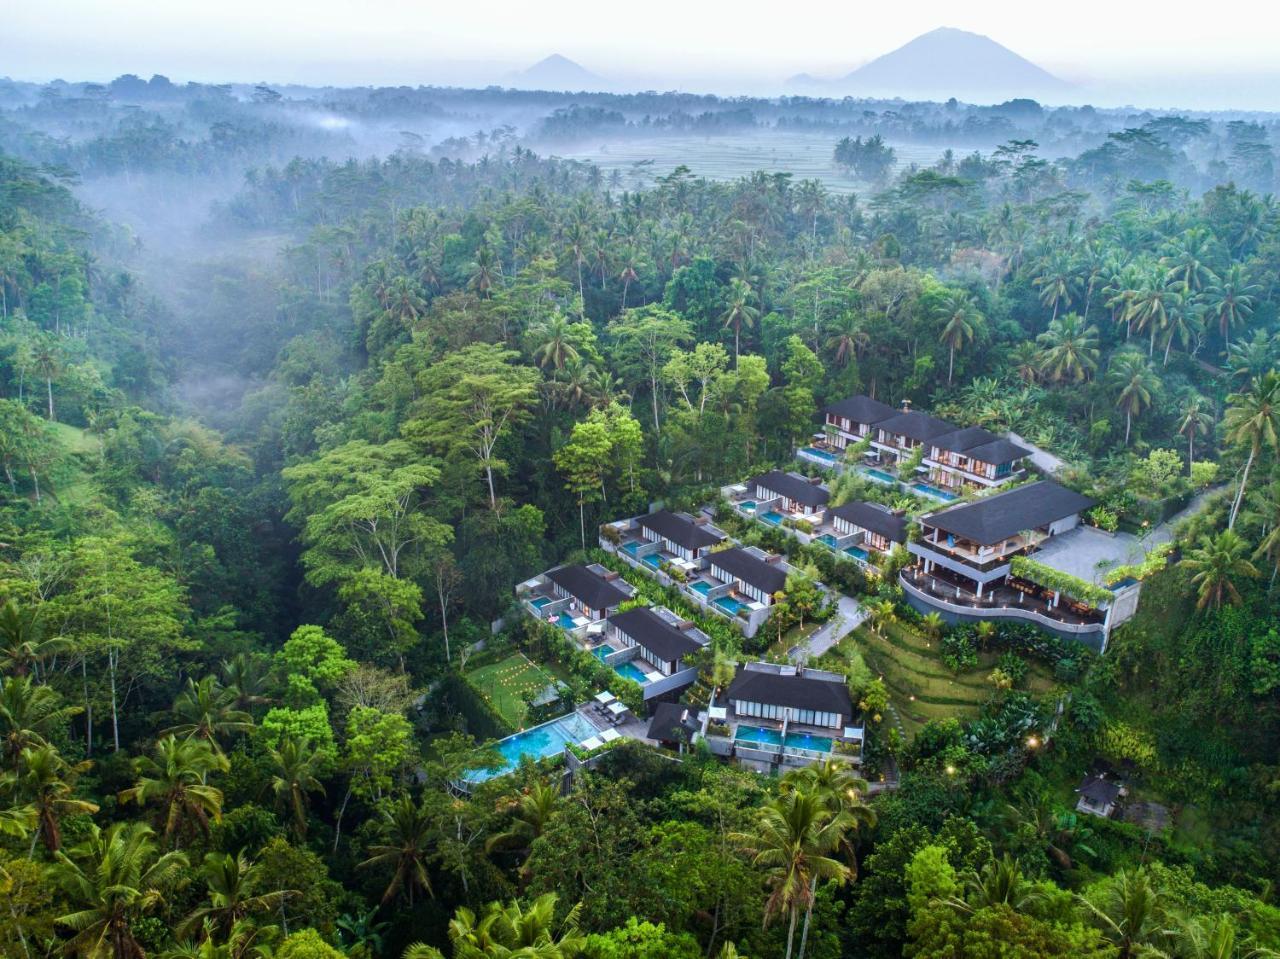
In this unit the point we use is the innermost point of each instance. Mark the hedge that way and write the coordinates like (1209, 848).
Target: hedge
(1058, 581)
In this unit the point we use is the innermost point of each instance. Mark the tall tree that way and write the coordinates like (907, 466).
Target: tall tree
(1253, 420)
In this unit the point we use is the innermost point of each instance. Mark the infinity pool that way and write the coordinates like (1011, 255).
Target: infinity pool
(771, 737)
(540, 601)
(701, 586)
(822, 454)
(749, 505)
(565, 621)
(933, 491)
(540, 742)
(880, 476)
(604, 650)
(630, 671)
(857, 552)
(729, 605)
(828, 539)
(772, 517)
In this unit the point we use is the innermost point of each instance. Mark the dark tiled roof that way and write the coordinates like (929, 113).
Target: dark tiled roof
(1099, 791)
(673, 722)
(792, 487)
(737, 562)
(997, 452)
(798, 692)
(861, 409)
(679, 529)
(587, 587)
(916, 425)
(872, 517)
(958, 441)
(996, 518)
(653, 633)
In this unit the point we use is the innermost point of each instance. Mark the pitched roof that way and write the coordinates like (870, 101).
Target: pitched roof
(587, 587)
(916, 425)
(654, 633)
(1099, 791)
(673, 722)
(795, 488)
(997, 452)
(958, 441)
(995, 518)
(680, 530)
(795, 690)
(861, 409)
(875, 518)
(737, 562)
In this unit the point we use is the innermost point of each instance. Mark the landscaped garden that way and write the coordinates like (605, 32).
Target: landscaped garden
(509, 684)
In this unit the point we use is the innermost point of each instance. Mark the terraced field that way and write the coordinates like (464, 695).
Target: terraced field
(728, 157)
(920, 686)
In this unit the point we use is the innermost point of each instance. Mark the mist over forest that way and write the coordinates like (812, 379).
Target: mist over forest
(305, 392)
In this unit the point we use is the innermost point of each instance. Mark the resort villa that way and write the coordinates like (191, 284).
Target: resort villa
(662, 540)
(874, 528)
(650, 646)
(786, 495)
(574, 597)
(954, 459)
(1022, 554)
(784, 715)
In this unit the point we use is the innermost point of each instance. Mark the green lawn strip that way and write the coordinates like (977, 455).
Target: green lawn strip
(927, 670)
(505, 683)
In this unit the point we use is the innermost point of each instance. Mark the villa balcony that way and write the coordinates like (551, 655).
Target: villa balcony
(949, 593)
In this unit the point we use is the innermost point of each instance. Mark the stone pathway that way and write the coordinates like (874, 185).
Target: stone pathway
(848, 617)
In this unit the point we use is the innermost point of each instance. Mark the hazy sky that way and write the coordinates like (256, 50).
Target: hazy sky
(1225, 51)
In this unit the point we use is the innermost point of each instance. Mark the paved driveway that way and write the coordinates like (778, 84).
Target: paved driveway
(848, 617)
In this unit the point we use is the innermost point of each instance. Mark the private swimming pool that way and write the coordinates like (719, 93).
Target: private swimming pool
(652, 560)
(604, 650)
(880, 476)
(773, 738)
(828, 539)
(728, 604)
(933, 491)
(748, 505)
(540, 742)
(773, 518)
(857, 552)
(821, 454)
(565, 621)
(630, 671)
(540, 601)
(701, 586)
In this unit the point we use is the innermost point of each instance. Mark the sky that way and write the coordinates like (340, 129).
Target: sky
(1117, 50)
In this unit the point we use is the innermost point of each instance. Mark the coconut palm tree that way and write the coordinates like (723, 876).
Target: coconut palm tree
(175, 779)
(29, 715)
(512, 929)
(485, 272)
(961, 323)
(1253, 419)
(1135, 384)
(1215, 566)
(233, 896)
(1058, 283)
(293, 778)
(793, 841)
(738, 311)
(23, 648)
(407, 844)
(555, 347)
(1131, 913)
(111, 880)
(1267, 508)
(206, 710)
(998, 883)
(1026, 361)
(629, 257)
(1195, 419)
(246, 681)
(848, 339)
(47, 782)
(1229, 302)
(530, 814)
(1187, 263)
(835, 781)
(1069, 350)
(1252, 358)
(1149, 308)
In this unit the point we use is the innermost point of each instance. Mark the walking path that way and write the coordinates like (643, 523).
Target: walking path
(849, 616)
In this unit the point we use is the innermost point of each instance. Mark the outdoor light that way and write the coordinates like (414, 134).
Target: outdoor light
(951, 770)
(1032, 742)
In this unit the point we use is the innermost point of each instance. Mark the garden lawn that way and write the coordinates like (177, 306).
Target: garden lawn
(508, 683)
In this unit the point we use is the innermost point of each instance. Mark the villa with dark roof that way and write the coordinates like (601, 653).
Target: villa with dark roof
(661, 637)
(752, 574)
(574, 597)
(874, 527)
(955, 459)
(788, 493)
(1015, 555)
(680, 534)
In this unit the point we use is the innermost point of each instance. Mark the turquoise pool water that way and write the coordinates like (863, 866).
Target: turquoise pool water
(828, 539)
(541, 601)
(771, 737)
(701, 586)
(630, 671)
(821, 454)
(749, 505)
(880, 476)
(603, 650)
(565, 621)
(653, 560)
(539, 743)
(772, 517)
(933, 491)
(728, 604)
(857, 552)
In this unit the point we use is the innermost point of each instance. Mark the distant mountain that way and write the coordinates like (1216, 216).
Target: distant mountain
(557, 73)
(952, 63)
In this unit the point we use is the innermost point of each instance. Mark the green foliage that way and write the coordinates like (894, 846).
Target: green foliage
(1026, 568)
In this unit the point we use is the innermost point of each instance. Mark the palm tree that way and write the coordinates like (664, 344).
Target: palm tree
(1069, 350)
(556, 348)
(1194, 420)
(630, 272)
(1229, 302)
(1131, 375)
(206, 710)
(998, 883)
(738, 311)
(530, 814)
(1026, 361)
(1268, 506)
(793, 841)
(1253, 419)
(1130, 912)
(231, 881)
(1149, 308)
(1187, 264)
(835, 781)
(1217, 937)
(512, 930)
(48, 360)
(113, 879)
(883, 614)
(485, 272)
(1253, 357)
(406, 845)
(29, 715)
(1184, 324)
(22, 646)
(1057, 282)
(246, 681)
(961, 323)
(1215, 565)
(175, 780)
(848, 339)
(294, 776)
(47, 781)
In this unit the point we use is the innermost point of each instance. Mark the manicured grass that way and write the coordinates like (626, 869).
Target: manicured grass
(507, 683)
(792, 637)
